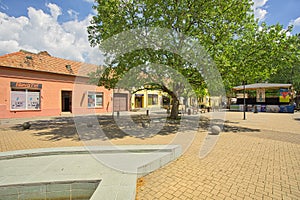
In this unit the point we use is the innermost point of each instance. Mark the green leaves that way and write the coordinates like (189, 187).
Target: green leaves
(289, 68)
(213, 23)
(240, 47)
(256, 55)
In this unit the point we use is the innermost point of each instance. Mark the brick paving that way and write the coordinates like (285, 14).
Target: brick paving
(13, 137)
(257, 158)
(263, 164)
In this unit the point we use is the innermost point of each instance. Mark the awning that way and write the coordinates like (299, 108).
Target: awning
(263, 86)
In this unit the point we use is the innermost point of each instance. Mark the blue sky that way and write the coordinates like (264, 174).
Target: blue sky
(284, 12)
(59, 26)
(79, 8)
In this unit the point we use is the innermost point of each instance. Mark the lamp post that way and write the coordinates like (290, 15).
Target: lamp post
(244, 88)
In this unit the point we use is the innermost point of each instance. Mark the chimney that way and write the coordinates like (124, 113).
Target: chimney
(44, 53)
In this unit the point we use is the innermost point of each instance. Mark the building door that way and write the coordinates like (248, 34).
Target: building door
(120, 102)
(66, 101)
(166, 102)
(139, 101)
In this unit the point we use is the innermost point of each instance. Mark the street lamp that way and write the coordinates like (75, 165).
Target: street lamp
(244, 88)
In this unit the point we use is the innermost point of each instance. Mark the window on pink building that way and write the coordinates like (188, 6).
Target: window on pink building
(25, 99)
(95, 99)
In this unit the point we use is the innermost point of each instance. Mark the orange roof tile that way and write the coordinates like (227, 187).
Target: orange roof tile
(44, 62)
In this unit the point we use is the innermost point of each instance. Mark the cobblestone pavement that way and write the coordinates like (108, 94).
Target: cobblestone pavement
(13, 137)
(263, 163)
(257, 158)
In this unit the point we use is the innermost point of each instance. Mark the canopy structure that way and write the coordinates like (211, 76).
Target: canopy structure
(262, 86)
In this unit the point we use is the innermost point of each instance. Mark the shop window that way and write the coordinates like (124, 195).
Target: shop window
(95, 99)
(25, 99)
(152, 99)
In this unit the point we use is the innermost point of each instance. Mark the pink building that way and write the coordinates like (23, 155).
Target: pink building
(42, 85)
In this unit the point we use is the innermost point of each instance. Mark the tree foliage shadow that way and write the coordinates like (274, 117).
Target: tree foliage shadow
(54, 129)
(107, 127)
(297, 119)
(86, 128)
(228, 126)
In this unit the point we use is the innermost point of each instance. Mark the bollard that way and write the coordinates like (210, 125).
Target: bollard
(215, 130)
(26, 125)
(118, 114)
(147, 112)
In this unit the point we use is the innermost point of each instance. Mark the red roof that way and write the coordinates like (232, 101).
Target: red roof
(44, 62)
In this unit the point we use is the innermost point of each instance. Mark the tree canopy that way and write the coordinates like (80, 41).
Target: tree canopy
(289, 71)
(240, 47)
(256, 55)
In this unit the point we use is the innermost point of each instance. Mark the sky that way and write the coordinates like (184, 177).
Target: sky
(59, 26)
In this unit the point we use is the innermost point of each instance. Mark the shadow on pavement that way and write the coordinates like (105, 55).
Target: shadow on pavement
(228, 126)
(107, 127)
(104, 128)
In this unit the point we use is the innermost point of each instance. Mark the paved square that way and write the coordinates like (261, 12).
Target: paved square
(257, 158)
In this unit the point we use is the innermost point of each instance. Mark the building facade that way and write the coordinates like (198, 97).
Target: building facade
(149, 99)
(159, 99)
(38, 84)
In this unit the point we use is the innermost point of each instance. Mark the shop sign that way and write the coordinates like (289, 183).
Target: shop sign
(25, 85)
(284, 96)
(260, 95)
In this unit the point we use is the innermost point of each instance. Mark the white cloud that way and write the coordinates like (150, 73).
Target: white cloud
(260, 14)
(259, 3)
(42, 32)
(73, 14)
(295, 22)
(259, 11)
(3, 6)
(8, 46)
(54, 10)
(90, 1)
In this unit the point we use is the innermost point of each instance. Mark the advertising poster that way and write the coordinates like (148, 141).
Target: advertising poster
(272, 108)
(33, 100)
(91, 100)
(263, 108)
(18, 100)
(284, 96)
(260, 95)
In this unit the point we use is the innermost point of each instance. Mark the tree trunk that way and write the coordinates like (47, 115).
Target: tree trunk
(175, 108)
(175, 100)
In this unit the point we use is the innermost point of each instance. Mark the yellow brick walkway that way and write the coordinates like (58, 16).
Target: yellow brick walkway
(263, 164)
(248, 165)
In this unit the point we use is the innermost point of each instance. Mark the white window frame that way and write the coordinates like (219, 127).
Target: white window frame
(96, 100)
(26, 91)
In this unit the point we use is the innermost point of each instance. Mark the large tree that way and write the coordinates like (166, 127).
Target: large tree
(212, 24)
(255, 55)
(289, 71)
